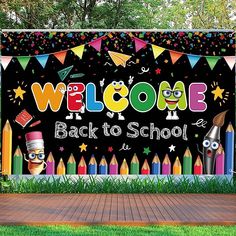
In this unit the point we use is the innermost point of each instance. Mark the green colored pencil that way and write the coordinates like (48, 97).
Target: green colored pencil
(71, 166)
(17, 162)
(187, 162)
(134, 166)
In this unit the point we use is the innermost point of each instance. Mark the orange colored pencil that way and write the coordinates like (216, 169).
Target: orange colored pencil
(124, 169)
(177, 168)
(82, 167)
(6, 149)
(145, 168)
(61, 169)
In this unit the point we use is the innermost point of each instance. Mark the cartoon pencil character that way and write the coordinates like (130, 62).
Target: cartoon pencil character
(35, 148)
(211, 143)
(172, 98)
(116, 106)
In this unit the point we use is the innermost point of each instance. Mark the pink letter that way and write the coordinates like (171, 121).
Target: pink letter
(197, 97)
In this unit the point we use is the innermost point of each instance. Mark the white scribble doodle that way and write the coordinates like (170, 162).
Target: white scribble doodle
(200, 123)
(125, 147)
(130, 62)
(143, 70)
(107, 63)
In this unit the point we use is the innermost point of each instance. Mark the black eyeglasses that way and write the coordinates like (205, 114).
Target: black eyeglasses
(40, 156)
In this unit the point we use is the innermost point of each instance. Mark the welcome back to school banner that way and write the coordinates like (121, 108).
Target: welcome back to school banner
(118, 102)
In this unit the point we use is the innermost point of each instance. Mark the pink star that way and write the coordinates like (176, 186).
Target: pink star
(61, 149)
(110, 149)
(158, 71)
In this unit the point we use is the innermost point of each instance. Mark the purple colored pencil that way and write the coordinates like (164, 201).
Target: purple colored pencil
(166, 165)
(113, 167)
(50, 170)
(220, 161)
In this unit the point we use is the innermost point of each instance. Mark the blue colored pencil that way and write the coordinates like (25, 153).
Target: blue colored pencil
(156, 165)
(103, 166)
(92, 166)
(229, 150)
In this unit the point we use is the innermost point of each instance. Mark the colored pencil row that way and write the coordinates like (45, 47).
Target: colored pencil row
(102, 168)
(93, 168)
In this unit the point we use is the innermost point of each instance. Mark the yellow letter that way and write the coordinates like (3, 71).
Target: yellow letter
(108, 96)
(48, 95)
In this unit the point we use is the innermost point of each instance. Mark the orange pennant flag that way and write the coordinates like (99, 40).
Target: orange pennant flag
(78, 51)
(175, 56)
(61, 56)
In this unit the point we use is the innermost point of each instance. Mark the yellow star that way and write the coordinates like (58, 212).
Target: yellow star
(83, 147)
(218, 93)
(19, 92)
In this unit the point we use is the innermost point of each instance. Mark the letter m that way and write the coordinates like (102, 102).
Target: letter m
(48, 96)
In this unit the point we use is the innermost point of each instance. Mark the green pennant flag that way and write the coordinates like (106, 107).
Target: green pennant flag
(212, 60)
(23, 60)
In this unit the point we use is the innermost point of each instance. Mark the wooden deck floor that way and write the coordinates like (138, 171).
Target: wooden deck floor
(123, 209)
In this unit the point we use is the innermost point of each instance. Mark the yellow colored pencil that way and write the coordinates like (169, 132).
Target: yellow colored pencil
(6, 149)
(61, 169)
(124, 169)
(177, 168)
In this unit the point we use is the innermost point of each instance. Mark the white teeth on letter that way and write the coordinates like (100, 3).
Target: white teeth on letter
(75, 93)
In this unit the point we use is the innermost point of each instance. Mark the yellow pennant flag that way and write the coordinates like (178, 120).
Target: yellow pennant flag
(157, 51)
(78, 51)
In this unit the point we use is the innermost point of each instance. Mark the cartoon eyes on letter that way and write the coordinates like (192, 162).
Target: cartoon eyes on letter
(114, 83)
(166, 93)
(176, 93)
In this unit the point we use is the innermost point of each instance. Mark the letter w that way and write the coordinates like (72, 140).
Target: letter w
(48, 96)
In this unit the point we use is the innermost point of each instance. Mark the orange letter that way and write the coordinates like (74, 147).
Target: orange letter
(48, 95)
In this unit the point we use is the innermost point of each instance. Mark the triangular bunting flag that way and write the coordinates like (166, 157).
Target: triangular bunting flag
(175, 56)
(193, 59)
(230, 60)
(157, 51)
(139, 44)
(119, 58)
(61, 56)
(212, 60)
(78, 51)
(64, 72)
(5, 60)
(96, 44)
(42, 59)
(23, 60)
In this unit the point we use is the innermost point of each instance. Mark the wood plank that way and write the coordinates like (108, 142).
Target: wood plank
(123, 209)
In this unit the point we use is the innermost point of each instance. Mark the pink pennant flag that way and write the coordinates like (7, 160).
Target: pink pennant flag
(96, 44)
(139, 44)
(230, 61)
(175, 56)
(61, 56)
(5, 61)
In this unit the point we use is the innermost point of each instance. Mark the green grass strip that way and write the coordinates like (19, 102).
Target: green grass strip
(112, 185)
(118, 230)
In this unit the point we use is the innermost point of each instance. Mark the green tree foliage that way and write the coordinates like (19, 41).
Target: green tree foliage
(150, 14)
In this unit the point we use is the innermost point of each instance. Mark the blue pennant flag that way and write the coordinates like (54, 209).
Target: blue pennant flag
(193, 59)
(42, 59)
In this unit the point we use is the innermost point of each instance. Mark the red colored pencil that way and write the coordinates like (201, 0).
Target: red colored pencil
(145, 168)
(82, 167)
(198, 166)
